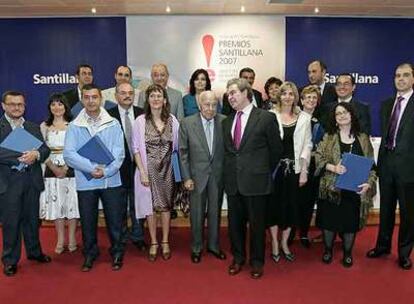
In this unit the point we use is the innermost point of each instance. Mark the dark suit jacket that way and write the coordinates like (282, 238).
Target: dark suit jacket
(227, 109)
(8, 158)
(362, 111)
(329, 94)
(404, 141)
(127, 169)
(249, 169)
(72, 97)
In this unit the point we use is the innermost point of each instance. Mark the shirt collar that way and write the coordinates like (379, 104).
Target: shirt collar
(247, 109)
(12, 121)
(407, 95)
(122, 110)
(347, 100)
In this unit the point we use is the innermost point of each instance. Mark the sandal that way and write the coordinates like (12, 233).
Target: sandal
(59, 249)
(153, 252)
(166, 252)
(72, 247)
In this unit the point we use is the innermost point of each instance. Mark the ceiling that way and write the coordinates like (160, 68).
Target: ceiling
(37, 8)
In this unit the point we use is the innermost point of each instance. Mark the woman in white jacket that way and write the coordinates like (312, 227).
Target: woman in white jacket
(292, 172)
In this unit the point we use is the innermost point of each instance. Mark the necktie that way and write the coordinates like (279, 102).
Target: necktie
(128, 131)
(208, 136)
(237, 130)
(392, 129)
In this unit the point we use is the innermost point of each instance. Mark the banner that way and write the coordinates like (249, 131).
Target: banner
(221, 44)
(39, 56)
(370, 48)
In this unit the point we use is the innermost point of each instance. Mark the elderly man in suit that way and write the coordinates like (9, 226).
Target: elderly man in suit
(252, 150)
(20, 187)
(396, 168)
(201, 156)
(160, 75)
(126, 113)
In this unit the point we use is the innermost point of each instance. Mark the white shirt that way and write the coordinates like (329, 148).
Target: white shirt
(322, 87)
(122, 114)
(12, 122)
(244, 118)
(79, 94)
(346, 100)
(404, 103)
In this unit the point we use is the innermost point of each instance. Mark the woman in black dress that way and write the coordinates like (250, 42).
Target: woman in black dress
(339, 211)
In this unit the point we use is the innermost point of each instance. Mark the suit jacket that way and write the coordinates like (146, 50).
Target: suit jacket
(329, 94)
(196, 162)
(72, 97)
(362, 111)
(227, 109)
(127, 169)
(404, 141)
(174, 97)
(8, 158)
(249, 169)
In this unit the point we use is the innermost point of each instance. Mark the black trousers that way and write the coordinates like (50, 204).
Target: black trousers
(20, 216)
(391, 190)
(251, 209)
(308, 196)
(114, 207)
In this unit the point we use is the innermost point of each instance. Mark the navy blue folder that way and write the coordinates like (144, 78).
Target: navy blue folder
(176, 167)
(357, 172)
(96, 151)
(19, 140)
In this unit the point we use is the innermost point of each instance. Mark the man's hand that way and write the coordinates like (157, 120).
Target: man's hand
(98, 172)
(189, 185)
(29, 157)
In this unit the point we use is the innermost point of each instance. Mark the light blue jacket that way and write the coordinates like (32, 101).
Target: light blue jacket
(78, 134)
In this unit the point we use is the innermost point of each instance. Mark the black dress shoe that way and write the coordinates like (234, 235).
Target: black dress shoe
(234, 268)
(219, 255)
(377, 252)
(256, 272)
(405, 263)
(196, 257)
(117, 263)
(10, 270)
(305, 242)
(327, 257)
(43, 258)
(140, 245)
(347, 261)
(87, 264)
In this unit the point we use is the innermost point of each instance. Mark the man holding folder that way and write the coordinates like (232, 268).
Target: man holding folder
(21, 182)
(94, 180)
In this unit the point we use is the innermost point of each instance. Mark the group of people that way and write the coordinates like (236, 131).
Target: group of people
(275, 159)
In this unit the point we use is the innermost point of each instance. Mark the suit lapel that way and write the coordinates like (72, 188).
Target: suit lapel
(251, 123)
(408, 113)
(227, 125)
(5, 128)
(198, 127)
(217, 134)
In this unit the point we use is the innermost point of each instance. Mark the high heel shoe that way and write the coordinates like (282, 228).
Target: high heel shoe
(288, 256)
(327, 256)
(347, 261)
(153, 252)
(166, 252)
(72, 247)
(275, 257)
(59, 249)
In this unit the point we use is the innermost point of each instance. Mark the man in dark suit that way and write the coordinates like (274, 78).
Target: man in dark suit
(345, 87)
(316, 75)
(396, 168)
(201, 156)
(126, 113)
(252, 149)
(20, 188)
(257, 99)
(84, 75)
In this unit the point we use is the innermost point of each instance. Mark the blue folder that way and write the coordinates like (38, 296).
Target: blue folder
(176, 167)
(19, 140)
(357, 172)
(96, 151)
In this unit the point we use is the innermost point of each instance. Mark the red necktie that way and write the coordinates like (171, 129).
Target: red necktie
(237, 130)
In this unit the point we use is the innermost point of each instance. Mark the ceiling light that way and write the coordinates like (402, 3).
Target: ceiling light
(316, 10)
(93, 10)
(242, 9)
(168, 9)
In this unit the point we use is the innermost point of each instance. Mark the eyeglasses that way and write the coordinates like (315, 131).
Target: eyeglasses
(341, 113)
(123, 74)
(124, 93)
(344, 84)
(15, 105)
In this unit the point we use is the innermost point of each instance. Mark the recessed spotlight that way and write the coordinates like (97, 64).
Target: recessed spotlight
(93, 10)
(242, 9)
(316, 10)
(168, 9)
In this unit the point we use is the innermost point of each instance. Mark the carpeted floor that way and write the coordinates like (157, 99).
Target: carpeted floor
(179, 281)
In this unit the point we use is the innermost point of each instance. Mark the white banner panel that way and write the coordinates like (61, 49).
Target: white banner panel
(221, 44)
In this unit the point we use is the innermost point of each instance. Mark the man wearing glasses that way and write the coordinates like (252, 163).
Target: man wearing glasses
(123, 74)
(21, 182)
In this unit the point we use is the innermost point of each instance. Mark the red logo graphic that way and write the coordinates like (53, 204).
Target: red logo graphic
(208, 44)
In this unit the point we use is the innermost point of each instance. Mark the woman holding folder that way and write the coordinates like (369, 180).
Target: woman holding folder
(342, 211)
(59, 201)
(154, 138)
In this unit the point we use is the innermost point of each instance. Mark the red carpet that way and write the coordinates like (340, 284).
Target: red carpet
(179, 281)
